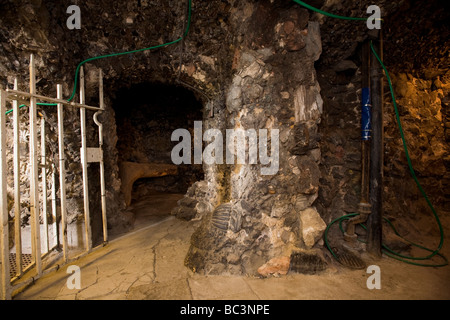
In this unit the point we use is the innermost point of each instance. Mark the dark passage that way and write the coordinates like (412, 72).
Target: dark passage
(146, 116)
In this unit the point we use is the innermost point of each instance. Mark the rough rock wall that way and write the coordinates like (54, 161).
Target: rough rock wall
(414, 53)
(340, 182)
(203, 63)
(274, 86)
(227, 40)
(28, 28)
(417, 58)
(423, 107)
(40, 27)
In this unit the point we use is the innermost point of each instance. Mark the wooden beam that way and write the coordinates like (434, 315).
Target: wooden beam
(4, 231)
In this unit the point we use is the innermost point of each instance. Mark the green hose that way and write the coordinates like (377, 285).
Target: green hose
(133, 51)
(120, 54)
(410, 166)
(387, 250)
(327, 13)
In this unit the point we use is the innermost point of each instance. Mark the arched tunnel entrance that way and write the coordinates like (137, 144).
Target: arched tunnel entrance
(146, 115)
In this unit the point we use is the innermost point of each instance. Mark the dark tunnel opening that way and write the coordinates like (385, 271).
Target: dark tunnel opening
(146, 115)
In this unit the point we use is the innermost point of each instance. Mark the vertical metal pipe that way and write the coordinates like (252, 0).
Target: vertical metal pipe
(366, 130)
(54, 224)
(102, 165)
(364, 205)
(17, 220)
(374, 221)
(44, 185)
(6, 284)
(84, 164)
(62, 174)
(34, 187)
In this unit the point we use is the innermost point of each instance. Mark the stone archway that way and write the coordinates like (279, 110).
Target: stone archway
(146, 114)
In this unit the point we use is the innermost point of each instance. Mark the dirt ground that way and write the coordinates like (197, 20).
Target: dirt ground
(147, 264)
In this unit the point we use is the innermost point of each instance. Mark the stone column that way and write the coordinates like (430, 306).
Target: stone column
(271, 215)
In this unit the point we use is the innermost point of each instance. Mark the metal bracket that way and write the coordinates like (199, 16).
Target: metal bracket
(93, 154)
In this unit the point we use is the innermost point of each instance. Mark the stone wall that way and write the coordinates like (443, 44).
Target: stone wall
(424, 118)
(40, 28)
(274, 86)
(251, 65)
(419, 71)
(340, 182)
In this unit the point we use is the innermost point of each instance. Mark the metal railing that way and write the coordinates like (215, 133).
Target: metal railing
(9, 284)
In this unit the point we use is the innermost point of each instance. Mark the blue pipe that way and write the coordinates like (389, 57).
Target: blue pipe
(366, 126)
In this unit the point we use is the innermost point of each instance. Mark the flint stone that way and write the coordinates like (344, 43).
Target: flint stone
(308, 103)
(313, 40)
(234, 98)
(279, 265)
(345, 65)
(252, 71)
(310, 175)
(312, 227)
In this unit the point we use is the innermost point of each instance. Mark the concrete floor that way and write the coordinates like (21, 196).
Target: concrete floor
(147, 264)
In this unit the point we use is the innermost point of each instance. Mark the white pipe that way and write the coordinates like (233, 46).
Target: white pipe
(62, 174)
(54, 224)
(87, 221)
(44, 185)
(6, 284)
(102, 165)
(34, 190)
(17, 227)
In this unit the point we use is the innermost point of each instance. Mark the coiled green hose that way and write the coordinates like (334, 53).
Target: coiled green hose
(386, 250)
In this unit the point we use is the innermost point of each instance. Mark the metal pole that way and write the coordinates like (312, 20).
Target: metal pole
(6, 284)
(366, 130)
(62, 174)
(376, 164)
(54, 224)
(87, 222)
(34, 187)
(102, 165)
(364, 205)
(44, 184)
(17, 220)
(15, 94)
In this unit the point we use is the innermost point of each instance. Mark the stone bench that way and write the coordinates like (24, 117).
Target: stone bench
(132, 171)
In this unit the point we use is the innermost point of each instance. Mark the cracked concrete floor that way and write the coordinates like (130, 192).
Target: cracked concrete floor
(148, 264)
